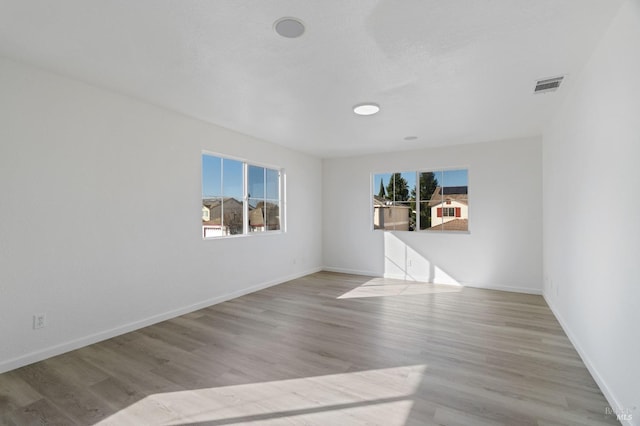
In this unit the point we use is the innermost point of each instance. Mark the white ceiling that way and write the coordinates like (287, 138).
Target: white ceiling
(447, 71)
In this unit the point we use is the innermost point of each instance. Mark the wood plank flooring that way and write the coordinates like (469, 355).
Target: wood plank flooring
(326, 349)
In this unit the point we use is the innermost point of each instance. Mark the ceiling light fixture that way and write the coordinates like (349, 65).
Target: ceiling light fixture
(366, 108)
(410, 138)
(289, 27)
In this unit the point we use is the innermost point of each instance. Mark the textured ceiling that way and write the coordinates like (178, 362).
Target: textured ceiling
(448, 71)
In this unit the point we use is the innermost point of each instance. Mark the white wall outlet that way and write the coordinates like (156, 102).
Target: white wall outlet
(39, 321)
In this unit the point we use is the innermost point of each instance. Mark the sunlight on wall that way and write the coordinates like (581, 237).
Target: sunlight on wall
(371, 395)
(403, 262)
(384, 287)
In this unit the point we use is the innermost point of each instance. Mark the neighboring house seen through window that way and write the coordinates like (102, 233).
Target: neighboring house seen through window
(425, 200)
(239, 198)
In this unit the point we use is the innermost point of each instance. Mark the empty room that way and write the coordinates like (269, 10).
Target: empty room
(282, 212)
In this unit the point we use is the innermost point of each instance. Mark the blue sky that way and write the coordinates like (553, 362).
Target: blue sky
(458, 177)
(222, 177)
(211, 177)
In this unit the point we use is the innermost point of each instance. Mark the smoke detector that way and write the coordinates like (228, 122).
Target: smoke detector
(289, 27)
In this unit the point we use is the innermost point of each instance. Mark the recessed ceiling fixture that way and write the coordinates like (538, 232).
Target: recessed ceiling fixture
(366, 108)
(410, 138)
(548, 84)
(289, 27)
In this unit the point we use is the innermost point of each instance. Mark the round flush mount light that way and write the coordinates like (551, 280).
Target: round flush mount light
(289, 27)
(410, 138)
(366, 108)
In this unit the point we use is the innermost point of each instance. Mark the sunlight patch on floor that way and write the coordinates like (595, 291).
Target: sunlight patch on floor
(384, 288)
(331, 399)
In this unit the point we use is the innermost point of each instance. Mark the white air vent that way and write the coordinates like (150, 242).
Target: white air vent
(548, 85)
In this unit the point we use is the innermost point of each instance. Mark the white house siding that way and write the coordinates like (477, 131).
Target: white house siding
(435, 220)
(393, 218)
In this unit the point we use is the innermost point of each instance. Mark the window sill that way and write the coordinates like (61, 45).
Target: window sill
(424, 231)
(254, 234)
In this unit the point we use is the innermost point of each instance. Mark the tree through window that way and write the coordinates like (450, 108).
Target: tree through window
(423, 200)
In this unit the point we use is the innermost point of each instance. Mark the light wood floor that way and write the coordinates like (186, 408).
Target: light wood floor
(326, 349)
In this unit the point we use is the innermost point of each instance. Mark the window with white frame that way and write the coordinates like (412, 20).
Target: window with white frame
(421, 200)
(238, 197)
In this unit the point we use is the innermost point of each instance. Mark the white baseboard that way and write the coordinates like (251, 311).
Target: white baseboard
(525, 290)
(600, 381)
(61, 348)
(350, 271)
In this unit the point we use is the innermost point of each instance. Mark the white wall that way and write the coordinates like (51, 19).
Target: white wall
(590, 162)
(87, 178)
(504, 246)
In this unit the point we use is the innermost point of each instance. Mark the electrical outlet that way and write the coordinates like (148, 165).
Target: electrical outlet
(39, 321)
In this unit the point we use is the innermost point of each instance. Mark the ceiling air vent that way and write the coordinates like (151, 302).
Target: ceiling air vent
(548, 85)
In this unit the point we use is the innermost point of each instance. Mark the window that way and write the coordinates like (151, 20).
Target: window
(238, 198)
(423, 200)
(264, 199)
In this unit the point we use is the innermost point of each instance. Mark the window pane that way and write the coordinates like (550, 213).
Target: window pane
(401, 216)
(437, 217)
(212, 217)
(255, 185)
(410, 202)
(380, 182)
(211, 196)
(232, 206)
(256, 215)
(426, 218)
(400, 185)
(232, 179)
(427, 185)
(211, 176)
(455, 185)
(273, 184)
(232, 220)
(432, 182)
(379, 199)
(272, 215)
(394, 201)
